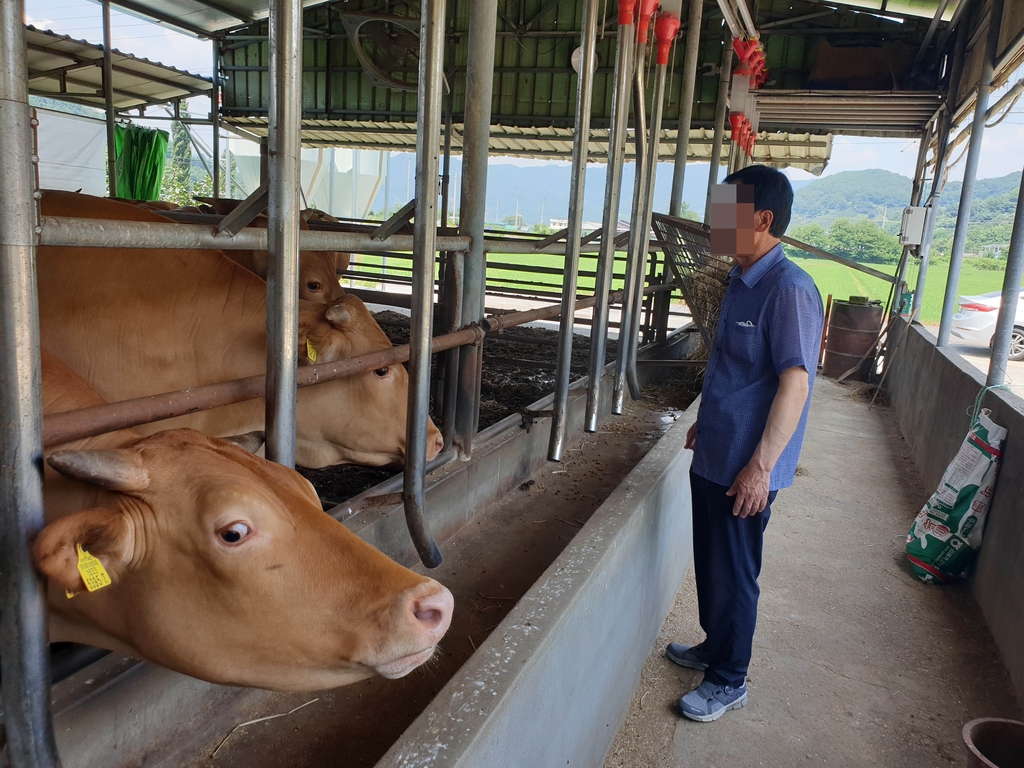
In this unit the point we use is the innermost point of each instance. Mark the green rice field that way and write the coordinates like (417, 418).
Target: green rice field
(516, 270)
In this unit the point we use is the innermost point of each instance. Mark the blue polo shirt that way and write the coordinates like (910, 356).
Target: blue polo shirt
(770, 320)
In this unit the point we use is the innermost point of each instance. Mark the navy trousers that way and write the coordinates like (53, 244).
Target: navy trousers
(727, 562)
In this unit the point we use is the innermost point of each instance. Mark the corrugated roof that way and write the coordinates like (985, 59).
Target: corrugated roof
(72, 70)
(807, 151)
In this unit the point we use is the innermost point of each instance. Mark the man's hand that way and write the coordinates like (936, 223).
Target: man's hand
(751, 490)
(691, 437)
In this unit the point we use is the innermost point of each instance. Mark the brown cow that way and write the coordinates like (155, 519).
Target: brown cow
(144, 321)
(223, 565)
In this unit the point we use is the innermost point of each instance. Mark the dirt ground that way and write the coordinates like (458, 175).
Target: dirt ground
(856, 663)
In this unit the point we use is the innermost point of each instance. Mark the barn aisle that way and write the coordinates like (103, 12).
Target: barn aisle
(856, 663)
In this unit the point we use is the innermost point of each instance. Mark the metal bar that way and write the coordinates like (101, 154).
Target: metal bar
(24, 656)
(963, 218)
(215, 116)
(612, 193)
(725, 79)
(553, 238)
(932, 27)
(428, 140)
(1011, 297)
(675, 205)
(243, 214)
(166, 18)
(108, 100)
(581, 139)
(635, 232)
(837, 258)
(631, 341)
(396, 221)
(915, 200)
(283, 228)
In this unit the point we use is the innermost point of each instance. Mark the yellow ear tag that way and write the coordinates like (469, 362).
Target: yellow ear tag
(93, 573)
(310, 351)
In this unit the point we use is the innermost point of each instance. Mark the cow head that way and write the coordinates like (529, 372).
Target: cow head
(336, 332)
(224, 567)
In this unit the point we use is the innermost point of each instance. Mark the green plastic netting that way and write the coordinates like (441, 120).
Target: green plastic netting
(141, 155)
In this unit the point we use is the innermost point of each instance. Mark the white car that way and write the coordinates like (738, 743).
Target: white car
(975, 323)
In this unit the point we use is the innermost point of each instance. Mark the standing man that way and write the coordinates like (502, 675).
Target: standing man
(748, 433)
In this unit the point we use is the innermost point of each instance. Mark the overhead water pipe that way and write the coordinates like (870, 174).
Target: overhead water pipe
(612, 194)
(675, 205)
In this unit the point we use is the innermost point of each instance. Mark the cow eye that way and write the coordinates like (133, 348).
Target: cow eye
(314, 286)
(234, 533)
(380, 373)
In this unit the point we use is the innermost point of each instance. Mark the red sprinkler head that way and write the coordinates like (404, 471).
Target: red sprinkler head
(666, 27)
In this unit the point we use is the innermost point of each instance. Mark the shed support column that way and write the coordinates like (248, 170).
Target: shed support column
(724, 80)
(215, 117)
(483, 22)
(675, 206)
(581, 140)
(1011, 297)
(108, 98)
(963, 217)
(283, 228)
(24, 655)
(915, 200)
(612, 193)
(428, 141)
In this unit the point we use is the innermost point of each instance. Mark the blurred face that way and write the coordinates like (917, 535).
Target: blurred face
(733, 220)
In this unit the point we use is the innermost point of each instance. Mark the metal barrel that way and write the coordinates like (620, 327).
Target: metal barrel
(852, 329)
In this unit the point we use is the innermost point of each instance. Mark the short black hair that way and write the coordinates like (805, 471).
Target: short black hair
(772, 192)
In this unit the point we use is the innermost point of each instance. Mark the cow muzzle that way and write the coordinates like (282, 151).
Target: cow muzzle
(426, 613)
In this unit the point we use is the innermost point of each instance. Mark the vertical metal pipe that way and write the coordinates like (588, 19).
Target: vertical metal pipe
(581, 140)
(283, 227)
(945, 125)
(108, 100)
(963, 216)
(633, 267)
(1011, 297)
(915, 200)
(428, 141)
(724, 80)
(483, 21)
(24, 656)
(612, 194)
(215, 117)
(675, 205)
(643, 242)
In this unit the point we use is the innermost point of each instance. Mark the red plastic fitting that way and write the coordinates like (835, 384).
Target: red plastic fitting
(666, 27)
(744, 48)
(736, 125)
(626, 10)
(646, 10)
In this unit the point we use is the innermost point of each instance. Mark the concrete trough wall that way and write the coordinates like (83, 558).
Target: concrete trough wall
(931, 390)
(553, 682)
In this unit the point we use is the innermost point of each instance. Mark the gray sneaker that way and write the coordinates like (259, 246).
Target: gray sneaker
(708, 702)
(689, 656)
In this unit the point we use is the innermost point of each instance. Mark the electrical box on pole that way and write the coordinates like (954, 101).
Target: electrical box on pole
(912, 228)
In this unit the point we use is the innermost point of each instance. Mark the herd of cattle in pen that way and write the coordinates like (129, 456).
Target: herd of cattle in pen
(220, 564)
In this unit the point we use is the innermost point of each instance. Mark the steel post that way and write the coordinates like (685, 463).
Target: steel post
(915, 199)
(643, 243)
(283, 227)
(428, 140)
(483, 22)
(724, 81)
(1011, 297)
(963, 217)
(675, 205)
(108, 101)
(633, 268)
(580, 143)
(612, 193)
(215, 117)
(24, 655)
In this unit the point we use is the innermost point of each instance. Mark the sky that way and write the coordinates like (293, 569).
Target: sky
(1002, 148)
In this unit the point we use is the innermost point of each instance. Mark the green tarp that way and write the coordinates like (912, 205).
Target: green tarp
(141, 155)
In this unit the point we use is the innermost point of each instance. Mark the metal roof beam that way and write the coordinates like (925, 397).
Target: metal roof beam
(86, 61)
(161, 17)
(214, 6)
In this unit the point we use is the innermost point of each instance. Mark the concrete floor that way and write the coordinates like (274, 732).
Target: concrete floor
(856, 663)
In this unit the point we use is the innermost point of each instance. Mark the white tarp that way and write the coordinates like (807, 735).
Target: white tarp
(72, 152)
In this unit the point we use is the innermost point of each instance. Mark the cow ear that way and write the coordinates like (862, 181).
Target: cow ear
(116, 470)
(250, 441)
(306, 213)
(100, 532)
